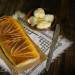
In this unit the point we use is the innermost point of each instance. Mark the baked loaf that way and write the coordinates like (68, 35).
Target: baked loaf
(16, 45)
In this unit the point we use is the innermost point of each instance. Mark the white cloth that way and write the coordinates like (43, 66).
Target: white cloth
(43, 40)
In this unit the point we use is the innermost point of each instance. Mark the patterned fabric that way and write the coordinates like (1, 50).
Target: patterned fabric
(43, 39)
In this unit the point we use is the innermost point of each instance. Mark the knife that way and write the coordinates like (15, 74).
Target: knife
(52, 47)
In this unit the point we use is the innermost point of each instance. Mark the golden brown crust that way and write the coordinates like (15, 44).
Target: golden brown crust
(17, 47)
(15, 42)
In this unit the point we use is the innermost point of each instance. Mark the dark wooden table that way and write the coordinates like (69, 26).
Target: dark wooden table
(64, 9)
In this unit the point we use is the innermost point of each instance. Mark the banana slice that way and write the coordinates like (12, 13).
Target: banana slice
(44, 25)
(49, 18)
(19, 14)
(39, 13)
(40, 20)
(32, 20)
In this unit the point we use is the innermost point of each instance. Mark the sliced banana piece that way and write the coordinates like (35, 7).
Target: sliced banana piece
(49, 18)
(32, 20)
(43, 25)
(39, 13)
(19, 14)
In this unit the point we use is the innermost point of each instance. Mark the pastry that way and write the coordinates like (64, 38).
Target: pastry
(16, 45)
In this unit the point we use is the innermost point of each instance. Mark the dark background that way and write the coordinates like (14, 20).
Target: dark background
(65, 12)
